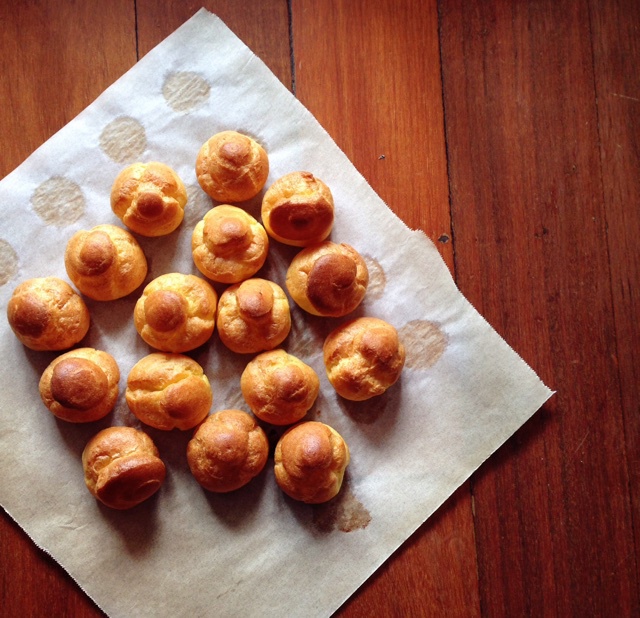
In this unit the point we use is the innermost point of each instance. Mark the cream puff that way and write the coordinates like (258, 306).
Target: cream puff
(227, 451)
(253, 316)
(229, 245)
(328, 279)
(232, 167)
(81, 385)
(46, 313)
(105, 262)
(310, 462)
(176, 312)
(278, 387)
(168, 391)
(363, 358)
(298, 209)
(149, 198)
(122, 467)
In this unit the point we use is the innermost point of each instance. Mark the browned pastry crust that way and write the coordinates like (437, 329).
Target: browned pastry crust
(45, 313)
(297, 209)
(328, 279)
(105, 262)
(176, 312)
(227, 451)
(229, 245)
(363, 358)
(122, 467)
(149, 198)
(310, 461)
(81, 385)
(168, 391)
(253, 316)
(232, 167)
(278, 387)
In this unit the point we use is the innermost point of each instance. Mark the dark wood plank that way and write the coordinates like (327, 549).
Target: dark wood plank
(615, 26)
(57, 57)
(553, 516)
(370, 73)
(262, 26)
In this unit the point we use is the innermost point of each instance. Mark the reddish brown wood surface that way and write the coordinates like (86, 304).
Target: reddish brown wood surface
(508, 131)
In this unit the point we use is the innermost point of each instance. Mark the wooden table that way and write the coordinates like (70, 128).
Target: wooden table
(508, 131)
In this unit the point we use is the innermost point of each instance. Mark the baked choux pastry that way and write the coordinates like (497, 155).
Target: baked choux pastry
(232, 167)
(297, 209)
(278, 387)
(328, 279)
(310, 461)
(253, 316)
(363, 358)
(45, 313)
(176, 312)
(168, 391)
(105, 262)
(81, 385)
(149, 198)
(122, 467)
(227, 451)
(229, 245)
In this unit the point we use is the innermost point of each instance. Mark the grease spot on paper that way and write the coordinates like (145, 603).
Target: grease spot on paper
(8, 262)
(424, 342)
(58, 201)
(344, 513)
(123, 139)
(185, 91)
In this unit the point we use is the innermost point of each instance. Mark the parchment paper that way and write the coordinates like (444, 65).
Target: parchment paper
(254, 552)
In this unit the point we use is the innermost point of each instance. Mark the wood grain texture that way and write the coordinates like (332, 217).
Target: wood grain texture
(615, 28)
(57, 58)
(386, 114)
(553, 516)
(510, 128)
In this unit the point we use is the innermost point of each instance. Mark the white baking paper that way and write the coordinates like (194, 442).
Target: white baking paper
(254, 552)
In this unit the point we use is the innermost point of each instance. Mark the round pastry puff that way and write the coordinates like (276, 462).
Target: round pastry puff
(310, 462)
(363, 358)
(105, 262)
(46, 313)
(149, 198)
(232, 167)
(227, 451)
(168, 391)
(176, 312)
(328, 279)
(229, 245)
(253, 316)
(298, 209)
(80, 386)
(122, 467)
(278, 387)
